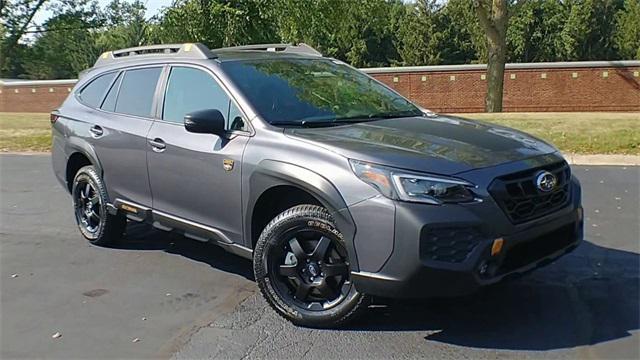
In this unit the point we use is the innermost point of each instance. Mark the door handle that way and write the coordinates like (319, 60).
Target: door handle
(96, 131)
(157, 144)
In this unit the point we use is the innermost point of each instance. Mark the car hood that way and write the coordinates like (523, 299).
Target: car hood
(436, 144)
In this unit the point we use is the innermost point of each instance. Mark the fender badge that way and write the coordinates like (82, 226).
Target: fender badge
(227, 164)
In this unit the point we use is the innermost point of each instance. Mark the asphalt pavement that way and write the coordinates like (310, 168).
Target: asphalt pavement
(141, 299)
(161, 295)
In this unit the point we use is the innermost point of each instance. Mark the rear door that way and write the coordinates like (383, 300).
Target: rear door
(120, 138)
(196, 177)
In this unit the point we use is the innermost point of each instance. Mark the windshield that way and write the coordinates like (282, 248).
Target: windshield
(314, 91)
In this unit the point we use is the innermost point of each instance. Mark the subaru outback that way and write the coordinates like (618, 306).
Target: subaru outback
(337, 187)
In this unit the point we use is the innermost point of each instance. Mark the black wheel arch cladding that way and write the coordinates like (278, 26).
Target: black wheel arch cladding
(271, 173)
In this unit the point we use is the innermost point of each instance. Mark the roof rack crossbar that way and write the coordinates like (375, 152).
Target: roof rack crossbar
(300, 48)
(187, 50)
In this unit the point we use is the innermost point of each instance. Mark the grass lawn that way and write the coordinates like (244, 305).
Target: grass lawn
(25, 132)
(580, 133)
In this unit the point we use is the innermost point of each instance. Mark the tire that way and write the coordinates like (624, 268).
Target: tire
(301, 266)
(90, 200)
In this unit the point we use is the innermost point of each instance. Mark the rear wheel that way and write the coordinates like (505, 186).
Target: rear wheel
(302, 268)
(90, 208)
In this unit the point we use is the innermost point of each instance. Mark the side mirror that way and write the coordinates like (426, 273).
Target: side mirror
(209, 121)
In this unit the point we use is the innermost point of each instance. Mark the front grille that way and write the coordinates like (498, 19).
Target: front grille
(448, 244)
(520, 199)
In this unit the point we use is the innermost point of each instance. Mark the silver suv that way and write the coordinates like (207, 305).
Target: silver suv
(336, 187)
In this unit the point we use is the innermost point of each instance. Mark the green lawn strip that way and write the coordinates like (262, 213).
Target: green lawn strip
(579, 133)
(25, 132)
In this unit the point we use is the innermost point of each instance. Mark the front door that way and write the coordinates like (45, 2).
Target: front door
(196, 177)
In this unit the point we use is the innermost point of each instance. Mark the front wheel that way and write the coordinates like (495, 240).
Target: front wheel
(90, 206)
(301, 266)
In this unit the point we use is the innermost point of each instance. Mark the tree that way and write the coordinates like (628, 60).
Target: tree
(463, 40)
(493, 18)
(589, 28)
(627, 33)
(418, 34)
(67, 47)
(15, 18)
(125, 25)
(218, 23)
(535, 31)
(313, 22)
(364, 33)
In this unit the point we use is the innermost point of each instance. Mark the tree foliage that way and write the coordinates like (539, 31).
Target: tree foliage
(627, 31)
(361, 32)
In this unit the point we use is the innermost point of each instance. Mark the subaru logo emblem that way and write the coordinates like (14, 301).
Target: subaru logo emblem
(546, 181)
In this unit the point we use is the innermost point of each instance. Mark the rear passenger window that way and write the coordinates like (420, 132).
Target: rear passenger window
(109, 102)
(137, 90)
(93, 93)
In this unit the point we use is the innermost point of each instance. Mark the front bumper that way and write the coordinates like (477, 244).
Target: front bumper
(422, 264)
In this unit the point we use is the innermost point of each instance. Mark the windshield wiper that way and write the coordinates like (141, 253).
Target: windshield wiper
(321, 123)
(347, 119)
(397, 114)
(286, 123)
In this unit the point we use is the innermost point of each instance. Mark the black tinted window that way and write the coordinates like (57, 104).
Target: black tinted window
(109, 102)
(189, 90)
(137, 90)
(93, 93)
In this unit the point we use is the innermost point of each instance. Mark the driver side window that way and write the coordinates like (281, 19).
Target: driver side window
(190, 89)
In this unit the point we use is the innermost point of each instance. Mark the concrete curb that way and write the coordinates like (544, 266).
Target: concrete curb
(573, 159)
(601, 159)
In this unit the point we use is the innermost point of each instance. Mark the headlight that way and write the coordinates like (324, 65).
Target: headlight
(400, 185)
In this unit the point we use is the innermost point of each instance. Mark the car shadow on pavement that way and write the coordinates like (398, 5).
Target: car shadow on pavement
(145, 237)
(587, 297)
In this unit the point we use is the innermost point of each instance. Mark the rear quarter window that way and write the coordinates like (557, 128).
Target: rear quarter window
(93, 93)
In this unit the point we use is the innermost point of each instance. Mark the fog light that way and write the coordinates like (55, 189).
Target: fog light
(497, 246)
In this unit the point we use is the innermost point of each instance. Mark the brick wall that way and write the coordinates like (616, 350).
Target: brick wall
(569, 86)
(578, 86)
(33, 96)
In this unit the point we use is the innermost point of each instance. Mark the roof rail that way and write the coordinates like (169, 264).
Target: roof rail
(187, 50)
(300, 48)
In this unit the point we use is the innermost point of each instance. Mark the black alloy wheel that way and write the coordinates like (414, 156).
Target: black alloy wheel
(90, 200)
(301, 265)
(87, 206)
(313, 269)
